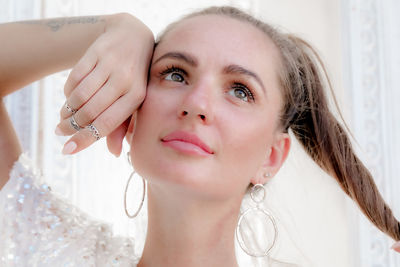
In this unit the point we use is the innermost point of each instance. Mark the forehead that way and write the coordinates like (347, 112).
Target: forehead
(217, 39)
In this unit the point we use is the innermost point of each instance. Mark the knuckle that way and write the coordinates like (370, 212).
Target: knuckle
(63, 113)
(81, 95)
(108, 124)
(67, 90)
(137, 93)
(86, 136)
(112, 59)
(125, 76)
(75, 75)
(101, 47)
(141, 94)
(88, 116)
(66, 128)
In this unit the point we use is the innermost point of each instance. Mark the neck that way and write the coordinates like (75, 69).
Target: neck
(189, 232)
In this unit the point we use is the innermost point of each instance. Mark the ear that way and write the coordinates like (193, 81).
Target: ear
(276, 156)
(131, 128)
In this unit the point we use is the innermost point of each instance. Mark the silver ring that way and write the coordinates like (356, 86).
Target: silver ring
(95, 132)
(68, 107)
(74, 124)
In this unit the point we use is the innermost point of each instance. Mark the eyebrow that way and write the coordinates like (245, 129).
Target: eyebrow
(230, 69)
(179, 55)
(236, 69)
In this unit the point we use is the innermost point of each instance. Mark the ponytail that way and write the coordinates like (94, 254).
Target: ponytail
(307, 114)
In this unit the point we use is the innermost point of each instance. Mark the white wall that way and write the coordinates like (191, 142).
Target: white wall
(313, 200)
(359, 42)
(372, 67)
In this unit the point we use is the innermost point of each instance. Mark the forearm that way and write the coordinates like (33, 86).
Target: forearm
(30, 50)
(115, 48)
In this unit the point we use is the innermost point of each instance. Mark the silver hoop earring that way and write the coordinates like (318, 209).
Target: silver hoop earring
(257, 208)
(128, 158)
(131, 216)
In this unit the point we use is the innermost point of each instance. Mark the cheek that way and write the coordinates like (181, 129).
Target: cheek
(158, 107)
(145, 133)
(246, 142)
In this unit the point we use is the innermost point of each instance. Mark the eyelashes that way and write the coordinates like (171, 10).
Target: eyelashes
(172, 69)
(241, 88)
(237, 89)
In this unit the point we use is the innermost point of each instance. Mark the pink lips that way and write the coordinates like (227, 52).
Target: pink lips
(186, 142)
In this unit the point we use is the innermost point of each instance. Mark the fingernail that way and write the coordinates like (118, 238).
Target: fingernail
(69, 148)
(58, 131)
(116, 154)
(396, 246)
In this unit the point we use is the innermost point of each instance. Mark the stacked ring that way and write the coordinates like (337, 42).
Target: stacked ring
(94, 131)
(74, 124)
(68, 107)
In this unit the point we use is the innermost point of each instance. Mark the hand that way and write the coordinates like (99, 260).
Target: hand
(108, 84)
(396, 247)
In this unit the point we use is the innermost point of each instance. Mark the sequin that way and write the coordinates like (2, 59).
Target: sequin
(21, 198)
(54, 225)
(40, 229)
(45, 187)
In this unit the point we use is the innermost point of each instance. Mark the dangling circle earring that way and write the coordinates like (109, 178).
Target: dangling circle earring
(257, 208)
(126, 190)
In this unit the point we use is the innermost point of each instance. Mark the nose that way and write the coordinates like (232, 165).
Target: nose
(198, 104)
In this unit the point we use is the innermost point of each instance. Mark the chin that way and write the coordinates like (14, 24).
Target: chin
(177, 174)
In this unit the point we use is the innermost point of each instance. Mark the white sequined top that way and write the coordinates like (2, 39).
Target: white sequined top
(38, 228)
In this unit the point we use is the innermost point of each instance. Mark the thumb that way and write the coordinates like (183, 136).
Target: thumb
(115, 139)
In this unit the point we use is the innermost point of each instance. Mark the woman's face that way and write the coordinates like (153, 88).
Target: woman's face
(209, 122)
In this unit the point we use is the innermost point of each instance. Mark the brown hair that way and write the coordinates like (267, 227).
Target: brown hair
(307, 114)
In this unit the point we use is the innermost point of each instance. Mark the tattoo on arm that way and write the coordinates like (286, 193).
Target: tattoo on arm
(57, 24)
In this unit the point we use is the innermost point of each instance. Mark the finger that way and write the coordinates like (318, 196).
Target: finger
(396, 246)
(80, 71)
(100, 101)
(85, 90)
(107, 122)
(92, 109)
(115, 139)
(66, 127)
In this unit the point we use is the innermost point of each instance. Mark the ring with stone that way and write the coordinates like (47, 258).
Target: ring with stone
(94, 131)
(74, 124)
(69, 108)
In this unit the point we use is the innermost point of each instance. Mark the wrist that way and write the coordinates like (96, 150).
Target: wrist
(126, 19)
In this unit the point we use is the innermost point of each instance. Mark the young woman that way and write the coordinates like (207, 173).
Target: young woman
(223, 91)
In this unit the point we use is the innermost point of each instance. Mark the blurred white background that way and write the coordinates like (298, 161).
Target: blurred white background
(359, 42)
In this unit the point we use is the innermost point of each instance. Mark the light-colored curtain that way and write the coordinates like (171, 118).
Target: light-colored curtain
(317, 222)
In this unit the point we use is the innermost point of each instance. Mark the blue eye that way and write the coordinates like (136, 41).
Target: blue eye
(175, 77)
(242, 92)
(174, 74)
